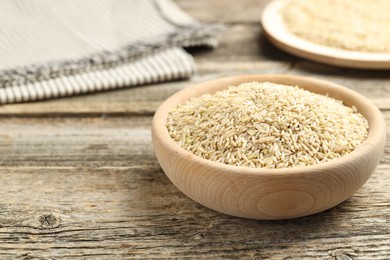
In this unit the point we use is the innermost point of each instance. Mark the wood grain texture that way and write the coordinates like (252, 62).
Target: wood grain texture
(79, 178)
(75, 142)
(113, 211)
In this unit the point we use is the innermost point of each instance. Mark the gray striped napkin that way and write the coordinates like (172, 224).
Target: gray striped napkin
(56, 48)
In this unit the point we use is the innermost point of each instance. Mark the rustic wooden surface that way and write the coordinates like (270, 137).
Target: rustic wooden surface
(79, 178)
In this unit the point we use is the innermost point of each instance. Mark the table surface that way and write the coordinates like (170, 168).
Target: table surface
(79, 176)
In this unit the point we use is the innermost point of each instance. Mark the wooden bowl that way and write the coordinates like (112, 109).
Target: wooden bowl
(260, 193)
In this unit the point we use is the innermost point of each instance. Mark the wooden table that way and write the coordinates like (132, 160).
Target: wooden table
(79, 177)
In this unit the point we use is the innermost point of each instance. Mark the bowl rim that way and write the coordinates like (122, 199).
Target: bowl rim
(377, 127)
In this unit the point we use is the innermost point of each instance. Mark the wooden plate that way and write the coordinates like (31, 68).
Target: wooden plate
(278, 34)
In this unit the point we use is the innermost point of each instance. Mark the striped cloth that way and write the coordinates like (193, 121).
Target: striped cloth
(56, 48)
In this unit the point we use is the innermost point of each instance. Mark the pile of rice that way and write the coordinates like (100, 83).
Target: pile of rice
(357, 25)
(267, 125)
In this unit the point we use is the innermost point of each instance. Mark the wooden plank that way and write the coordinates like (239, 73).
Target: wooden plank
(146, 99)
(231, 58)
(242, 43)
(135, 211)
(81, 142)
(227, 11)
(85, 142)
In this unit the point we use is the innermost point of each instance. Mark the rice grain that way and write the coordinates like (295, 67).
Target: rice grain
(267, 125)
(356, 25)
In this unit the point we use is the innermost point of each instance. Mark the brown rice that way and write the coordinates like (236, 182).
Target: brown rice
(358, 25)
(267, 125)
